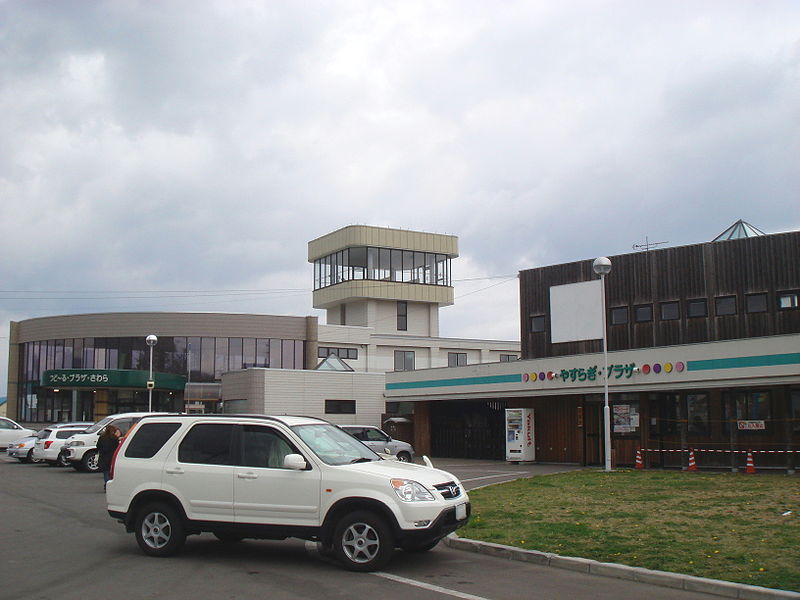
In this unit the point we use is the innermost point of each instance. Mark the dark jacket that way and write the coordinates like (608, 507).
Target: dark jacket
(106, 445)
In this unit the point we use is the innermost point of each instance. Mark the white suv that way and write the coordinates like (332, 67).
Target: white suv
(80, 450)
(248, 476)
(50, 440)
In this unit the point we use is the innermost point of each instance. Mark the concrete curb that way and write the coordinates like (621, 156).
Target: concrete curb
(593, 567)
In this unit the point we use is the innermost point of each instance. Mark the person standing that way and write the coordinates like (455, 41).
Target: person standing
(106, 446)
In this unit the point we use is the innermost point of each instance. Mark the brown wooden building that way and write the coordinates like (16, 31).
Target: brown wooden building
(704, 353)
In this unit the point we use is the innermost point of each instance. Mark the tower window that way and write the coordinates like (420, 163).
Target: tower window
(402, 315)
(456, 359)
(403, 360)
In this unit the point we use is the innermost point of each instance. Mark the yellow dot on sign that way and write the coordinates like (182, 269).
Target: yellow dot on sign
(760, 568)
(668, 367)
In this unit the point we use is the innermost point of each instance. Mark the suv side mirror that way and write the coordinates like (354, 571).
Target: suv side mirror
(295, 461)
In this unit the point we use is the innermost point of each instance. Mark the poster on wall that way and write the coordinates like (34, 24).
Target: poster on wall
(626, 418)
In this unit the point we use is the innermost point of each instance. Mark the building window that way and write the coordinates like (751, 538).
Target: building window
(670, 311)
(508, 357)
(382, 264)
(326, 351)
(537, 324)
(755, 303)
(697, 412)
(725, 305)
(456, 359)
(697, 308)
(788, 300)
(403, 360)
(747, 406)
(643, 313)
(402, 316)
(340, 407)
(619, 315)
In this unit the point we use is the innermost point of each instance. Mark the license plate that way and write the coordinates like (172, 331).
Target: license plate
(461, 512)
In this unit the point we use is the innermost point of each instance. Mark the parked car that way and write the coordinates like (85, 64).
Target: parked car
(380, 441)
(22, 449)
(11, 431)
(80, 450)
(50, 440)
(248, 476)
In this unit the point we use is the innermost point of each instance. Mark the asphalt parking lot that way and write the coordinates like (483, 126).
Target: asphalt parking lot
(58, 542)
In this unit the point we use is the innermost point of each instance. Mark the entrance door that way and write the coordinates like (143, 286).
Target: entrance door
(593, 426)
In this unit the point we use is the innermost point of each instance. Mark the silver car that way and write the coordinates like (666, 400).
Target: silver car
(22, 449)
(380, 441)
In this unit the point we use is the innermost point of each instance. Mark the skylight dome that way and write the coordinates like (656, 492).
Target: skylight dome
(740, 229)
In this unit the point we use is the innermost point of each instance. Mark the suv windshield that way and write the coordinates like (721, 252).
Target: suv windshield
(334, 446)
(99, 425)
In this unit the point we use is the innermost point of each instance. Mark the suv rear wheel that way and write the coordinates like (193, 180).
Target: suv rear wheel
(159, 530)
(362, 541)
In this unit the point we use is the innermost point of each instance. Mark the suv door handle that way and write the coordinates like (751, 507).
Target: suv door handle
(175, 471)
(249, 475)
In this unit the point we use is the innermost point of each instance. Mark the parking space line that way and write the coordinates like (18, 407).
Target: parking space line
(428, 586)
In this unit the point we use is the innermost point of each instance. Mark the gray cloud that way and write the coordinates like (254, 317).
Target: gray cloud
(199, 146)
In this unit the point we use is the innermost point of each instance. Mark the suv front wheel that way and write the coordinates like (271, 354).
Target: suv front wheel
(90, 462)
(159, 530)
(362, 541)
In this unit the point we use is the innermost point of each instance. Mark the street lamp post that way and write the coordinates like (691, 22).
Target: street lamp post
(151, 341)
(602, 266)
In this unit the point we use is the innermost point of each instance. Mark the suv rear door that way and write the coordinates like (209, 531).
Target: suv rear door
(200, 470)
(264, 491)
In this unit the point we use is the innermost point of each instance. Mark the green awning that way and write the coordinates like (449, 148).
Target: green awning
(110, 378)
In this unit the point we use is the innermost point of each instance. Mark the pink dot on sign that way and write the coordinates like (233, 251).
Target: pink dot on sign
(525, 377)
(645, 369)
(656, 368)
(679, 366)
(541, 376)
(668, 367)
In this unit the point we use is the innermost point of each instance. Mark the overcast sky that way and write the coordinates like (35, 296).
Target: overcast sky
(167, 147)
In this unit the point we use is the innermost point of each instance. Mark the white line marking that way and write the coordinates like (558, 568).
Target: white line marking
(520, 474)
(428, 586)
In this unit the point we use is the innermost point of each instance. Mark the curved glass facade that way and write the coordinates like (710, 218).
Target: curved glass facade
(200, 359)
(382, 264)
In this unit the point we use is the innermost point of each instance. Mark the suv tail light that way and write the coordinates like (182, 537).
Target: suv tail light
(113, 461)
(47, 444)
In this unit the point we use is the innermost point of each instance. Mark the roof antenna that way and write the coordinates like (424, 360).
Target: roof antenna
(647, 244)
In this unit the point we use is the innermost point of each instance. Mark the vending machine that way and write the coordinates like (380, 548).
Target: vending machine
(520, 440)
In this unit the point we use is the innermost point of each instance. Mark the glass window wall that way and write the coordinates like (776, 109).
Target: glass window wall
(205, 359)
(382, 264)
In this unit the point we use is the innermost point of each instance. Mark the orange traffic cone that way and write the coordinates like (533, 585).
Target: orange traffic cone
(692, 464)
(639, 463)
(751, 468)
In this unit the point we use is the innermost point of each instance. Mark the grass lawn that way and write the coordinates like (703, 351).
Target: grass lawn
(720, 525)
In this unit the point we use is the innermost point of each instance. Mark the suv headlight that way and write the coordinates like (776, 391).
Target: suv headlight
(75, 443)
(411, 491)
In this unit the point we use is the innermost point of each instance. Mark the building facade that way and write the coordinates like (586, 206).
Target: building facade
(381, 289)
(704, 353)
